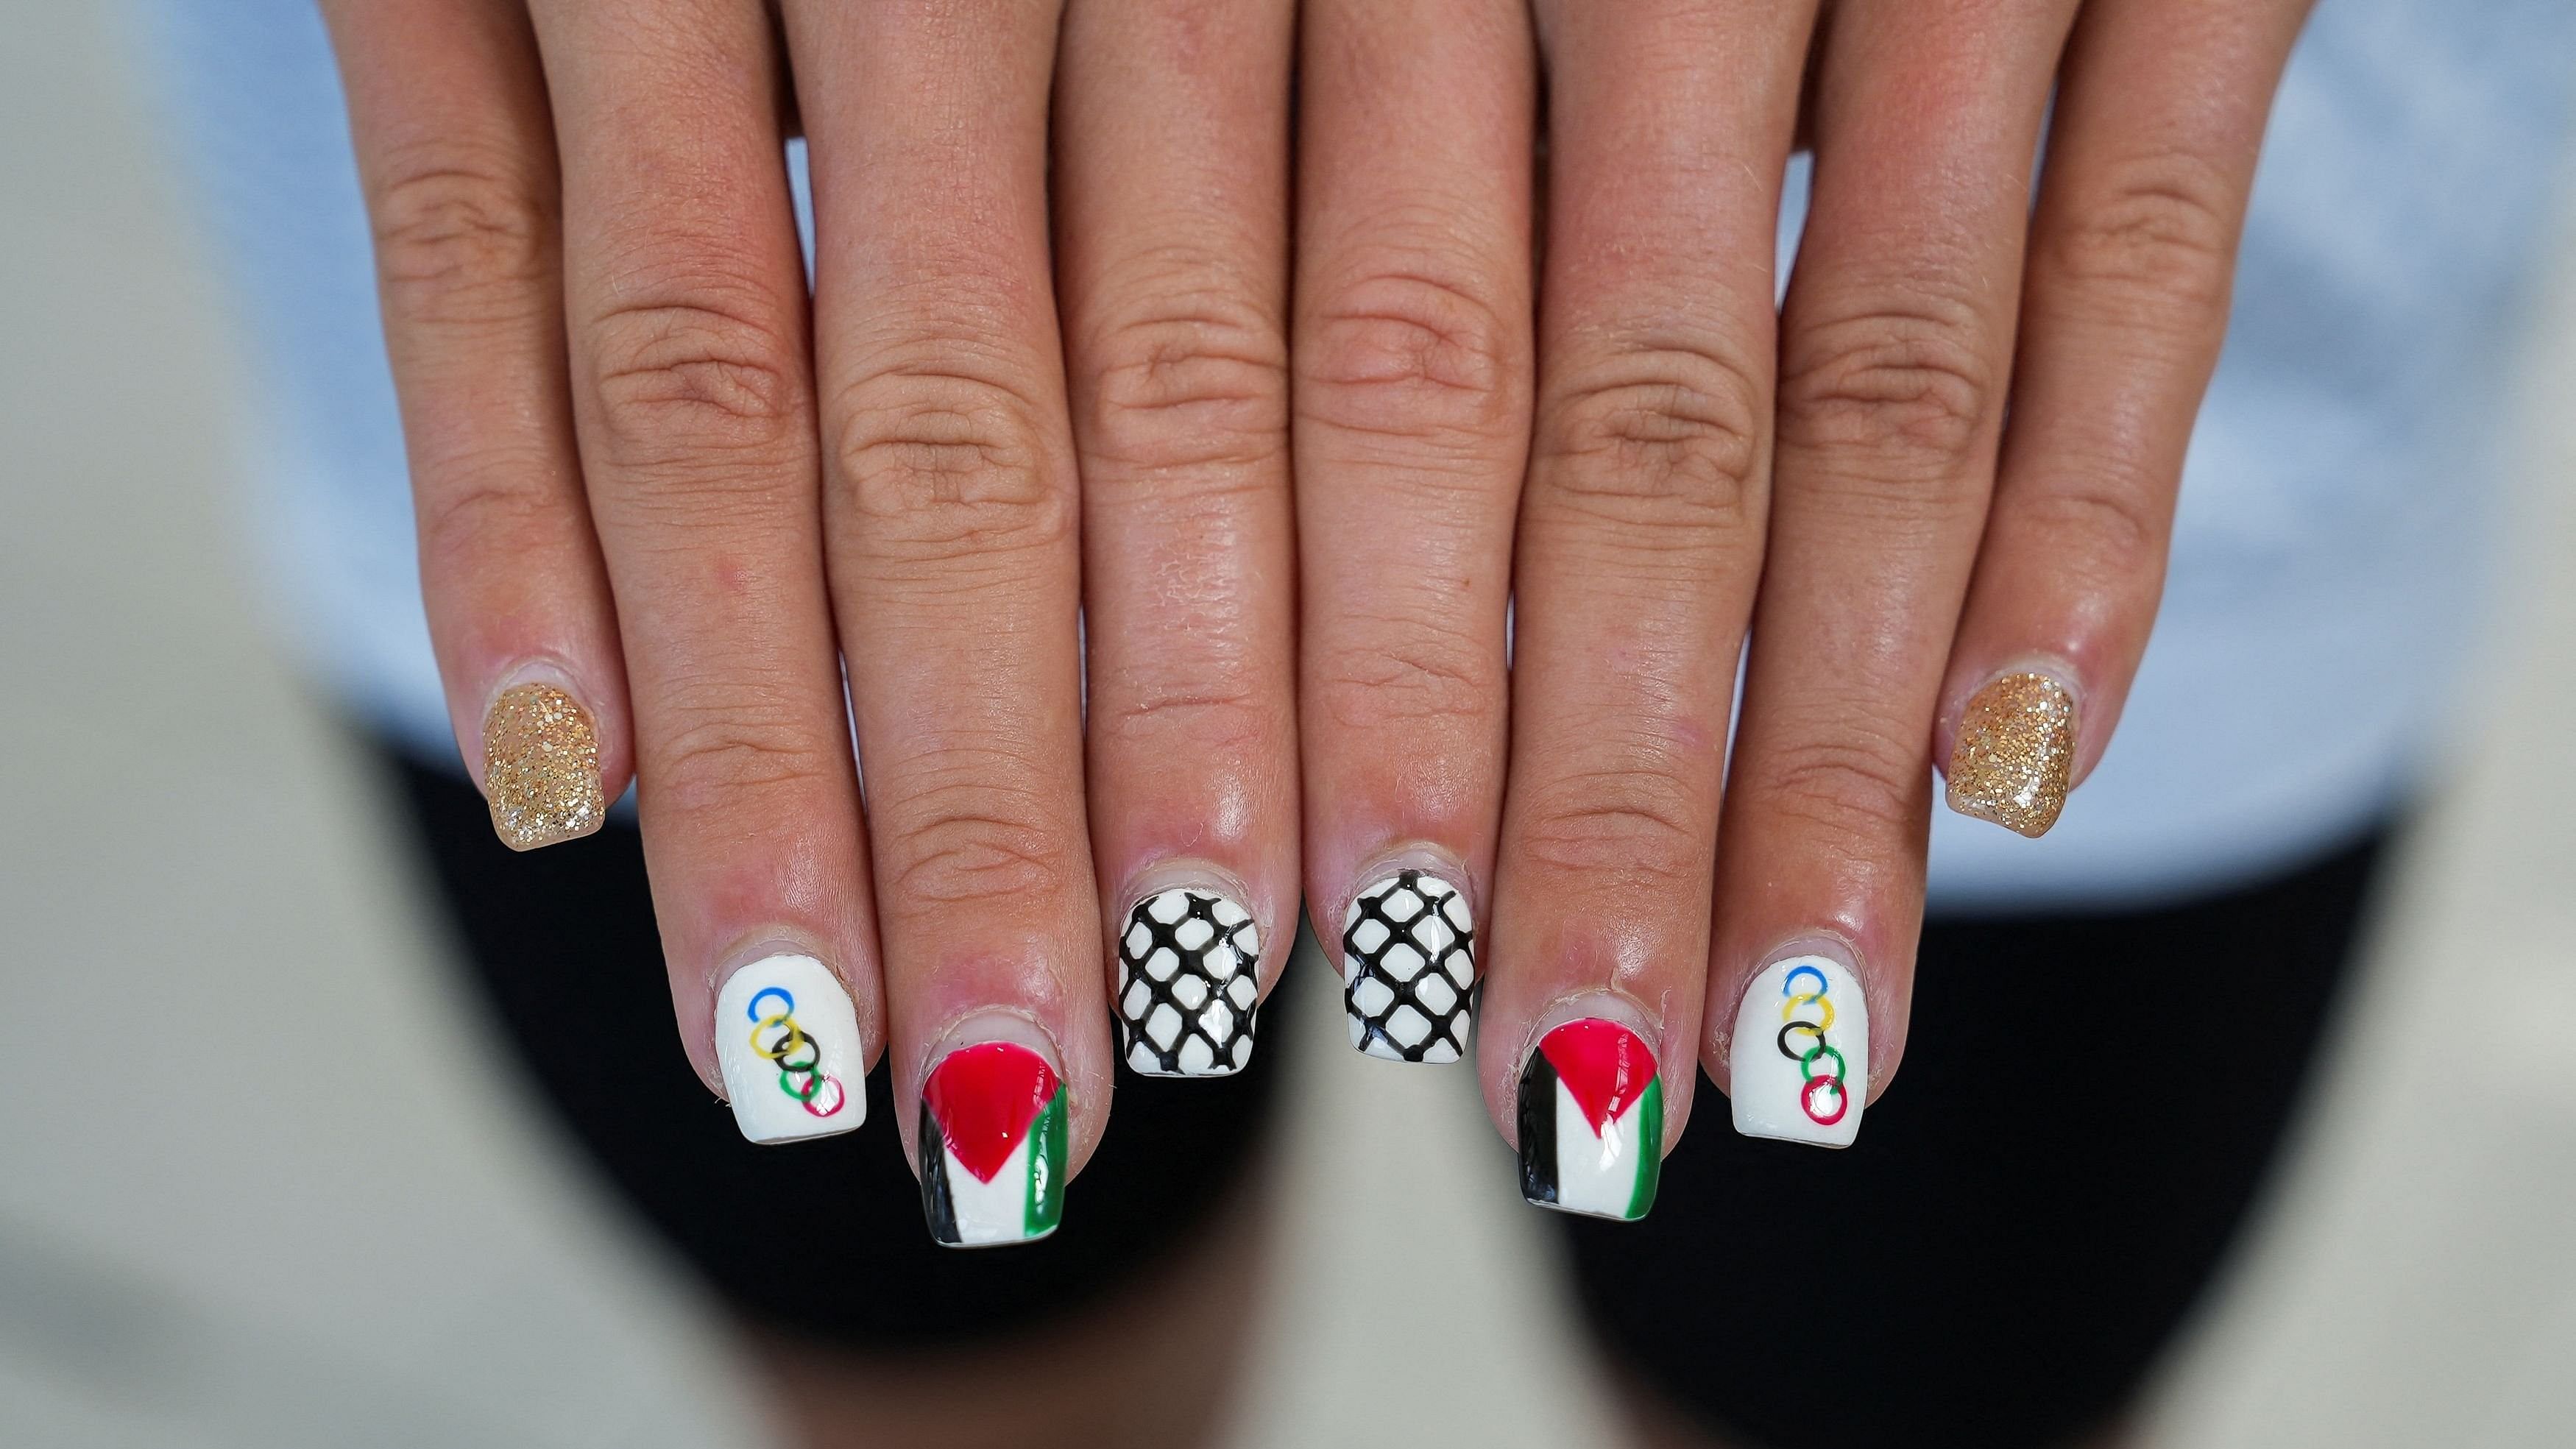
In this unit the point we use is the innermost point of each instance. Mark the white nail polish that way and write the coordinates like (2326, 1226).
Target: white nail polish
(1189, 983)
(1799, 1066)
(1409, 968)
(789, 1046)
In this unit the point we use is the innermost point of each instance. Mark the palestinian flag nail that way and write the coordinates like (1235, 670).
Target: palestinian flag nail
(1409, 968)
(788, 1044)
(1799, 1066)
(1592, 1121)
(1189, 970)
(992, 1146)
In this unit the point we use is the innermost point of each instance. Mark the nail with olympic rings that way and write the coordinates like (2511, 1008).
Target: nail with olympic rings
(789, 1042)
(1799, 1061)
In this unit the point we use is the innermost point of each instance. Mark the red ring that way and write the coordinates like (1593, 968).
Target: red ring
(840, 1096)
(1807, 1100)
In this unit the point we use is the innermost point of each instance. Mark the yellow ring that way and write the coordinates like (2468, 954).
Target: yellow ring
(1789, 1009)
(794, 1035)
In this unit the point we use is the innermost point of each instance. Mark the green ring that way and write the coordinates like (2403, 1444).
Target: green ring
(1842, 1068)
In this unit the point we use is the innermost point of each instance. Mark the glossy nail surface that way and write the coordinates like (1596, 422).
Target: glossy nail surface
(1799, 1066)
(1189, 984)
(1409, 968)
(2015, 753)
(992, 1145)
(1591, 1121)
(789, 1046)
(541, 767)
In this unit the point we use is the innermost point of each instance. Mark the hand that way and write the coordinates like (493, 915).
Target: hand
(1832, 484)
(664, 500)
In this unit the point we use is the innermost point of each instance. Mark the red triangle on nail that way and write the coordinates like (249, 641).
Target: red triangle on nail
(984, 1098)
(1605, 1065)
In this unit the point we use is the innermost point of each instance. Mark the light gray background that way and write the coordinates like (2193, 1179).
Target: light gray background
(261, 1184)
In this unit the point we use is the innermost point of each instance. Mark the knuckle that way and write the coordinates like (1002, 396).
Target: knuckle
(1413, 353)
(2160, 226)
(1860, 791)
(458, 238)
(1891, 382)
(1420, 675)
(2099, 529)
(715, 753)
(1200, 381)
(1635, 822)
(1221, 720)
(707, 374)
(968, 841)
(1665, 435)
(483, 507)
(944, 463)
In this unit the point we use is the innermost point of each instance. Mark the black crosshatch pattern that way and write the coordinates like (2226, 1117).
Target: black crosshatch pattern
(1397, 906)
(1238, 988)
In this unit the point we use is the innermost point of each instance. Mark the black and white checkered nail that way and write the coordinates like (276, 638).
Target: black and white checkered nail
(1189, 978)
(1409, 968)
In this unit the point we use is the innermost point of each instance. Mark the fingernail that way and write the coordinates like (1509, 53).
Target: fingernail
(2015, 752)
(788, 1043)
(1409, 968)
(1799, 1067)
(992, 1146)
(1591, 1121)
(540, 767)
(1188, 984)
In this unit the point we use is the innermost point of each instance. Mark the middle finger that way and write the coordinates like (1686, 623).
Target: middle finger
(1172, 180)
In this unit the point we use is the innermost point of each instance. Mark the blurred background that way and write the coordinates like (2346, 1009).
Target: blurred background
(262, 1182)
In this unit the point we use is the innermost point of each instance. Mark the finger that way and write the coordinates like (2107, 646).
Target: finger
(952, 518)
(686, 307)
(1640, 543)
(2160, 112)
(1411, 358)
(1172, 179)
(447, 108)
(1895, 339)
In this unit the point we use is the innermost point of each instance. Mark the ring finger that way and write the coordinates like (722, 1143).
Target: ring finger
(1896, 341)
(950, 511)
(1640, 541)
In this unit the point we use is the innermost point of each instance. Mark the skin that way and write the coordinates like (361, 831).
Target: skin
(649, 467)
(652, 469)
(1829, 487)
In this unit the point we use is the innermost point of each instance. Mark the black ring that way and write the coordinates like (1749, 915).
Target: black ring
(1782, 1040)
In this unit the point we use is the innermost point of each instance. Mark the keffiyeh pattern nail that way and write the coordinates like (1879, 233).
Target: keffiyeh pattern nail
(1409, 968)
(1188, 984)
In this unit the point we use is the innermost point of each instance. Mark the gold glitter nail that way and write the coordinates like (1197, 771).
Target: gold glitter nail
(2015, 750)
(540, 767)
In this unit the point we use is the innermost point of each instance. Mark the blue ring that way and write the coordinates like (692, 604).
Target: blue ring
(781, 992)
(1789, 983)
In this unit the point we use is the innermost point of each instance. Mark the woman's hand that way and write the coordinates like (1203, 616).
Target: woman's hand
(1929, 494)
(664, 499)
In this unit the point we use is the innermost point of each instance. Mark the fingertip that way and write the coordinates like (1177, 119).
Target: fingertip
(1798, 1068)
(2012, 751)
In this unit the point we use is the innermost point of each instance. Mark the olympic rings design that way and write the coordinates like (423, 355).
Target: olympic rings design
(1816, 1081)
(781, 1051)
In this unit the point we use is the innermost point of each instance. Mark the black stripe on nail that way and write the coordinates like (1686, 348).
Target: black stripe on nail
(936, 1204)
(1538, 1130)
